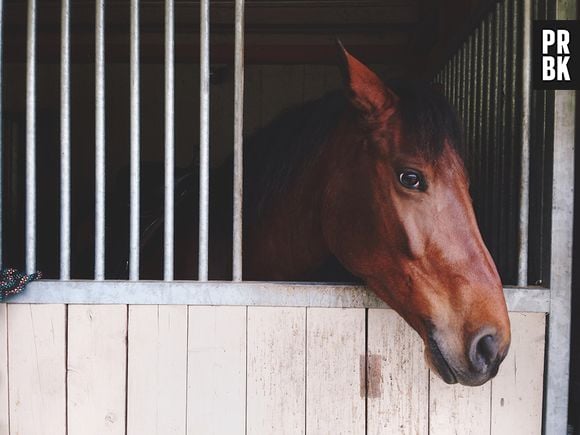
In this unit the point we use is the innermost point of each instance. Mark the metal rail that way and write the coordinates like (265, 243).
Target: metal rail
(168, 227)
(533, 299)
(134, 209)
(31, 138)
(65, 156)
(238, 141)
(99, 140)
(525, 145)
(204, 142)
(1, 141)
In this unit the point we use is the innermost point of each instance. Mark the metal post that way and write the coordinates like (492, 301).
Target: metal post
(169, 144)
(524, 205)
(558, 361)
(31, 139)
(204, 143)
(100, 140)
(65, 182)
(238, 140)
(134, 228)
(1, 143)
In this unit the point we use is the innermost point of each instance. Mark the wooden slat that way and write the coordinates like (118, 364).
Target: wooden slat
(398, 378)
(216, 398)
(36, 366)
(3, 371)
(517, 391)
(335, 367)
(157, 370)
(276, 371)
(458, 410)
(96, 369)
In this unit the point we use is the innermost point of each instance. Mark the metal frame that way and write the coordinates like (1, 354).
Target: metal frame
(555, 300)
(535, 299)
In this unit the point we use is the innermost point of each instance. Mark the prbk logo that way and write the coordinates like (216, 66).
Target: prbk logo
(555, 54)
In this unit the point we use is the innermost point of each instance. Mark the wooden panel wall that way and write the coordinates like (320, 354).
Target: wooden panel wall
(248, 370)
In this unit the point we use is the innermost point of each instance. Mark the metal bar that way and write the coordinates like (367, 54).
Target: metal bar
(65, 181)
(497, 124)
(31, 138)
(281, 294)
(480, 35)
(524, 205)
(99, 140)
(1, 142)
(168, 240)
(487, 119)
(468, 102)
(238, 140)
(134, 228)
(558, 361)
(204, 142)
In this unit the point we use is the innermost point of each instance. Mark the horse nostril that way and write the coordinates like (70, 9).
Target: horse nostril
(485, 352)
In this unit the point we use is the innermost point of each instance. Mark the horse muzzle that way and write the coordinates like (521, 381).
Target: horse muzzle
(478, 363)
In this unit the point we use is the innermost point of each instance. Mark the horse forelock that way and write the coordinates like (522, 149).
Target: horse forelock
(427, 120)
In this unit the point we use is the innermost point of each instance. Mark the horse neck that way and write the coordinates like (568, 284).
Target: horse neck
(285, 242)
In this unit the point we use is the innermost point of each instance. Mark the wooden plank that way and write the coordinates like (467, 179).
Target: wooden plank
(517, 391)
(36, 366)
(157, 370)
(398, 378)
(216, 381)
(458, 410)
(3, 371)
(335, 367)
(276, 371)
(96, 369)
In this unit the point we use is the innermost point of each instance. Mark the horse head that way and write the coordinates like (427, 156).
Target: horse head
(398, 214)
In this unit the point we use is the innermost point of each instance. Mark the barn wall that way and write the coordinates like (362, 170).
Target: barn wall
(164, 369)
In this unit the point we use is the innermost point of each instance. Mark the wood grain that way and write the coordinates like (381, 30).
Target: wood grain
(36, 366)
(517, 391)
(97, 349)
(276, 371)
(398, 376)
(157, 370)
(335, 347)
(216, 371)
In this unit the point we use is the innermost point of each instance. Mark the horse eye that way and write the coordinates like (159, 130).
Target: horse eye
(411, 179)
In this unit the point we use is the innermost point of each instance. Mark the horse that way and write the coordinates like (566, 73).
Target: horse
(365, 182)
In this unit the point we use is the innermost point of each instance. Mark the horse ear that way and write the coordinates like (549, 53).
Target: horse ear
(367, 91)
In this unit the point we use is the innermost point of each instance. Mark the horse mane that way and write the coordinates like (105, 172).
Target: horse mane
(277, 153)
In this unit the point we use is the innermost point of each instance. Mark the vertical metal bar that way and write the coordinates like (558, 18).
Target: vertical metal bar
(169, 143)
(31, 139)
(65, 182)
(464, 80)
(454, 82)
(487, 117)
(238, 140)
(1, 143)
(558, 361)
(100, 140)
(525, 147)
(204, 142)
(134, 229)
(471, 121)
(468, 101)
(496, 119)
